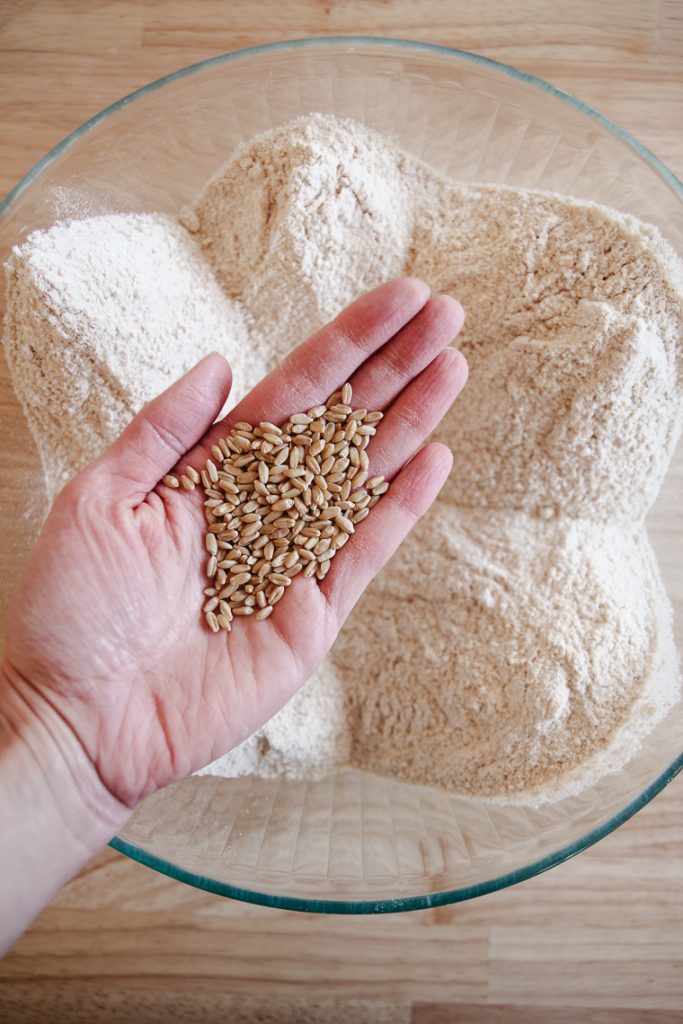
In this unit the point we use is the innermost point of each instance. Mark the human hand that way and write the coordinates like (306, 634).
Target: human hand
(106, 643)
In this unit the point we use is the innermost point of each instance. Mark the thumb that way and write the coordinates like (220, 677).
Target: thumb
(164, 430)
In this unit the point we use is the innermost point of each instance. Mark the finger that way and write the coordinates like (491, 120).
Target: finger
(377, 537)
(313, 370)
(416, 412)
(164, 430)
(384, 375)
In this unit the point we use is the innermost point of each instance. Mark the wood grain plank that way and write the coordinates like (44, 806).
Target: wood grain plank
(608, 55)
(76, 1002)
(590, 982)
(436, 1013)
(358, 959)
(671, 34)
(600, 32)
(71, 26)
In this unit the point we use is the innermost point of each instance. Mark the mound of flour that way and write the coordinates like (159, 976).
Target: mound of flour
(552, 652)
(556, 654)
(102, 314)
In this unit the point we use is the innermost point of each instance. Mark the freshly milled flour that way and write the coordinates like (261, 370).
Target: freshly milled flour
(552, 653)
(101, 315)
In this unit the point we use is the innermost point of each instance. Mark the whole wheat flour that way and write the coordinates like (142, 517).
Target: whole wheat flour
(555, 655)
(555, 668)
(102, 314)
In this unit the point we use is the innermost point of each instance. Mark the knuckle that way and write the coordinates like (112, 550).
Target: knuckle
(75, 500)
(345, 331)
(408, 417)
(402, 504)
(298, 380)
(166, 435)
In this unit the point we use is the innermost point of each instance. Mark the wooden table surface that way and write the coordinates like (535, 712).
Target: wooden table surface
(598, 939)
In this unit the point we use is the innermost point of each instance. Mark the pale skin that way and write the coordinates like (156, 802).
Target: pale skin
(112, 685)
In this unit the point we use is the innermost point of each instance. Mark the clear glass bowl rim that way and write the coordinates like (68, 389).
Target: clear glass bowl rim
(435, 899)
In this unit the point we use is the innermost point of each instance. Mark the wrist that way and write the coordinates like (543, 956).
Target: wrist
(43, 763)
(54, 810)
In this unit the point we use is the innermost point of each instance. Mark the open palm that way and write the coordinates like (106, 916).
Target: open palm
(105, 632)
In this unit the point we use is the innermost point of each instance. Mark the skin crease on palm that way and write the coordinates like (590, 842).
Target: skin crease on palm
(106, 645)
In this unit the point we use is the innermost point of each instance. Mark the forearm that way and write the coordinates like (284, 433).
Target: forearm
(54, 811)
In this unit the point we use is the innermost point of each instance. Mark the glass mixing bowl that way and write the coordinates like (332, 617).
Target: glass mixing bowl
(355, 843)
